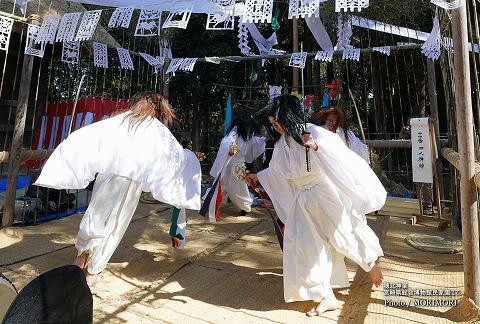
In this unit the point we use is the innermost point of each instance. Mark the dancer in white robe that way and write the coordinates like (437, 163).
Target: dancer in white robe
(248, 148)
(333, 119)
(323, 210)
(131, 152)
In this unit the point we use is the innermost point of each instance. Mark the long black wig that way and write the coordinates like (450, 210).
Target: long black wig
(246, 125)
(288, 112)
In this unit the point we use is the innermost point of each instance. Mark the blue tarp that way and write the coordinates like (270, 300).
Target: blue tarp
(22, 182)
(41, 217)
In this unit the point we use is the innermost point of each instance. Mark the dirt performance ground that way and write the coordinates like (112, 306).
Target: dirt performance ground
(229, 272)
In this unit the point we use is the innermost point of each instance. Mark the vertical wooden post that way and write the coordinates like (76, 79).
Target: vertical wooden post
(295, 73)
(464, 116)
(18, 131)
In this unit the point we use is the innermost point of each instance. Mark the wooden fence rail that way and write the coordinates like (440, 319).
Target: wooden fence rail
(26, 155)
(454, 159)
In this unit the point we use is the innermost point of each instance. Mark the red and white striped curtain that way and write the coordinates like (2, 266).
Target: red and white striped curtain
(57, 117)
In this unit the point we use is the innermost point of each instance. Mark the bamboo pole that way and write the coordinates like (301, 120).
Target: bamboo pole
(19, 128)
(14, 17)
(401, 143)
(454, 159)
(26, 155)
(464, 117)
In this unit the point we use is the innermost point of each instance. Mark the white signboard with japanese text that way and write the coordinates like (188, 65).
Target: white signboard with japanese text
(421, 150)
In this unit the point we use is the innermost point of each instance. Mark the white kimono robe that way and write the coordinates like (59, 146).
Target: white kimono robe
(355, 144)
(248, 151)
(148, 154)
(323, 212)
(127, 160)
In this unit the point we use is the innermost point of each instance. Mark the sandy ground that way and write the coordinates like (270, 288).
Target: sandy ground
(229, 272)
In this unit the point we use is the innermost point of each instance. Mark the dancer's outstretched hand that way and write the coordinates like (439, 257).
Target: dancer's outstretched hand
(308, 141)
(251, 180)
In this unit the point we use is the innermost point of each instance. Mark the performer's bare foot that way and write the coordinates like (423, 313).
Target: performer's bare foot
(376, 275)
(92, 279)
(327, 304)
(81, 260)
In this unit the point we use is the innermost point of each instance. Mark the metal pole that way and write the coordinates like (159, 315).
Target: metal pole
(464, 117)
(18, 132)
(307, 149)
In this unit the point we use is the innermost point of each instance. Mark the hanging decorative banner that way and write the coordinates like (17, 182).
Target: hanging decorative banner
(71, 52)
(387, 28)
(187, 64)
(178, 18)
(351, 5)
(48, 30)
(275, 23)
(351, 54)
(382, 49)
(88, 25)
(68, 27)
(174, 65)
(344, 32)
(273, 92)
(421, 150)
(121, 17)
(401, 31)
(264, 45)
(243, 40)
(31, 48)
(325, 56)
(447, 5)
(6, 25)
(153, 61)
(431, 48)
(126, 62)
(149, 23)
(224, 17)
(213, 59)
(298, 60)
(303, 8)
(100, 55)
(319, 32)
(258, 11)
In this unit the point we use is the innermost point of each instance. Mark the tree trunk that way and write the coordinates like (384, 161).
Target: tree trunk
(317, 91)
(307, 47)
(419, 84)
(196, 129)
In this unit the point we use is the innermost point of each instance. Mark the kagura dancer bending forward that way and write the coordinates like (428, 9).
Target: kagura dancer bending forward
(131, 152)
(323, 210)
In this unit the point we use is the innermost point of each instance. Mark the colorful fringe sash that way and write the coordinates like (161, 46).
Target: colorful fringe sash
(212, 202)
(178, 228)
(277, 223)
